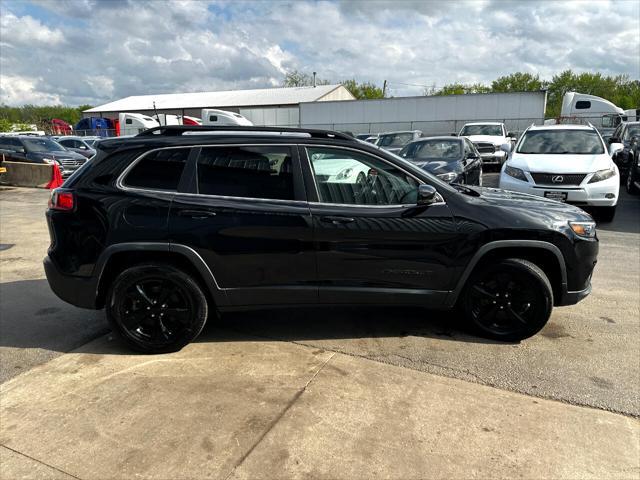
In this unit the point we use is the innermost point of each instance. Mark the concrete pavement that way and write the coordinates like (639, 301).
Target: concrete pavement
(250, 408)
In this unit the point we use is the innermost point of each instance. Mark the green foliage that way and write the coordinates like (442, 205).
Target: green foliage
(301, 79)
(5, 125)
(40, 115)
(365, 90)
(620, 90)
(461, 89)
(517, 82)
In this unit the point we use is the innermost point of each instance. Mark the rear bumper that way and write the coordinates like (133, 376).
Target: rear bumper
(78, 291)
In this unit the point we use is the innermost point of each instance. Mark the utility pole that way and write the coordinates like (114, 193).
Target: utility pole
(384, 88)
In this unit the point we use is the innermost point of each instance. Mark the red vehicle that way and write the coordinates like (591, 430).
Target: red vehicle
(60, 127)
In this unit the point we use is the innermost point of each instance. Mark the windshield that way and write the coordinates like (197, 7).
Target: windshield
(395, 139)
(42, 145)
(442, 150)
(632, 131)
(550, 142)
(492, 130)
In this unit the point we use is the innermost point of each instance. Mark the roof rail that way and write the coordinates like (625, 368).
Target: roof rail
(177, 130)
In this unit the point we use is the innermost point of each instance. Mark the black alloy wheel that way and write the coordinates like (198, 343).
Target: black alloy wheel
(510, 300)
(156, 308)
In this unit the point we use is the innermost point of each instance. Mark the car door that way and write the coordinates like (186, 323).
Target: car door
(12, 149)
(472, 163)
(245, 213)
(373, 245)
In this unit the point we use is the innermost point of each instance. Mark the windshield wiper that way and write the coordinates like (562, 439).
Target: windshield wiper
(465, 189)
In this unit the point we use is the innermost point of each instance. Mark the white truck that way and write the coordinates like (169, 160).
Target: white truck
(211, 116)
(489, 137)
(135, 123)
(599, 112)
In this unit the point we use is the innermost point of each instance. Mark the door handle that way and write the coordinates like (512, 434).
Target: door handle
(196, 214)
(337, 220)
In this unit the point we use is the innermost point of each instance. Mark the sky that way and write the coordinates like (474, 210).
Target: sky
(76, 52)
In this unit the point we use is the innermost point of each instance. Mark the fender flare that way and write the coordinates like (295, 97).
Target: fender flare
(218, 294)
(498, 244)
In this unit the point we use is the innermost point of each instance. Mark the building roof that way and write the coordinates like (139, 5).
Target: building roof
(230, 98)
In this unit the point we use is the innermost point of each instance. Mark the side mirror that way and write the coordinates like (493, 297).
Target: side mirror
(506, 147)
(613, 140)
(511, 135)
(426, 195)
(615, 148)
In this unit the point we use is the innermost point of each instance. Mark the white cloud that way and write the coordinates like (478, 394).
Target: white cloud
(15, 90)
(90, 51)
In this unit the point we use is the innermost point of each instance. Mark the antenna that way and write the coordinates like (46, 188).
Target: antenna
(157, 117)
(314, 79)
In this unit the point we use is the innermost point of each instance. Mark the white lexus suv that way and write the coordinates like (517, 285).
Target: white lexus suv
(568, 163)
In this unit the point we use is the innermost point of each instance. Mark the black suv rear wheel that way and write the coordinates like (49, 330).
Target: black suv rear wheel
(510, 300)
(156, 308)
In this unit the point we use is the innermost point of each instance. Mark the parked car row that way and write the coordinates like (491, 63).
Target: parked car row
(41, 150)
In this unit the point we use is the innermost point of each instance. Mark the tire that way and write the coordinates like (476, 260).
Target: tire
(606, 214)
(630, 185)
(509, 300)
(156, 308)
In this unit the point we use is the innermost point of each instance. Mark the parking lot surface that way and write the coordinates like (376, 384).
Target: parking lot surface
(325, 392)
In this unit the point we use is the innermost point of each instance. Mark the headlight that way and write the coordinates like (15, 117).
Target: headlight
(48, 161)
(515, 173)
(602, 175)
(584, 229)
(447, 177)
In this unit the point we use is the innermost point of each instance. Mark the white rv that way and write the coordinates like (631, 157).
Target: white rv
(601, 113)
(212, 116)
(135, 123)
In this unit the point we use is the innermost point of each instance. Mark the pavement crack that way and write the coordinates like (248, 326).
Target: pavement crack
(40, 462)
(279, 417)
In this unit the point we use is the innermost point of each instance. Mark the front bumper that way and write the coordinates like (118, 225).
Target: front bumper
(599, 194)
(572, 297)
(78, 291)
(498, 157)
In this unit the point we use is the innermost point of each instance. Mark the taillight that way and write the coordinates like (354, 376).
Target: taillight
(61, 200)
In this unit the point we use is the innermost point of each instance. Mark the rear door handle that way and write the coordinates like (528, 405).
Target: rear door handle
(196, 214)
(337, 220)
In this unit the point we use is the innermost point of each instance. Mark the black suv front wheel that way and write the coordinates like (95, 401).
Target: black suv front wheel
(509, 300)
(156, 308)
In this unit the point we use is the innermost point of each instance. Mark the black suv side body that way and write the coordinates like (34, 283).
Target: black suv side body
(628, 134)
(293, 217)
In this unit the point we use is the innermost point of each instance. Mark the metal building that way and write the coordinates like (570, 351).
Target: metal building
(434, 115)
(265, 106)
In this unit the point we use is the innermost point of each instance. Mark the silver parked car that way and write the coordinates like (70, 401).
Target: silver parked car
(394, 141)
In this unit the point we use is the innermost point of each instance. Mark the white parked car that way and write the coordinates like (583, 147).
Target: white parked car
(488, 137)
(569, 163)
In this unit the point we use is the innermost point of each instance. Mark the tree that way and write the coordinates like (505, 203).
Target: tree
(5, 125)
(364, 90)
(462, 89)
(296, 78)
(517, 82)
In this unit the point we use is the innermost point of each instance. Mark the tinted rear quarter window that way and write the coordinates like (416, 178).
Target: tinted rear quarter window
(158, 170)
(252, 172)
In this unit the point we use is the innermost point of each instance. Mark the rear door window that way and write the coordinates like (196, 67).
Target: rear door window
(263, 172)
(158, 170)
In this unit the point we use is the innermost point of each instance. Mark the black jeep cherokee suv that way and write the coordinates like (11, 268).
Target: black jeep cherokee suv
(166, 227)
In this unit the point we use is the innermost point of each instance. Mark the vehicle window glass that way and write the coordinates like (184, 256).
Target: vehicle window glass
(395, 139)
(491, 130)
(447, 150)
(632, 131)
(582, 104)
(557, 142)
(42, 145)
(351, 178)
(251, 172)
(158, 170)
